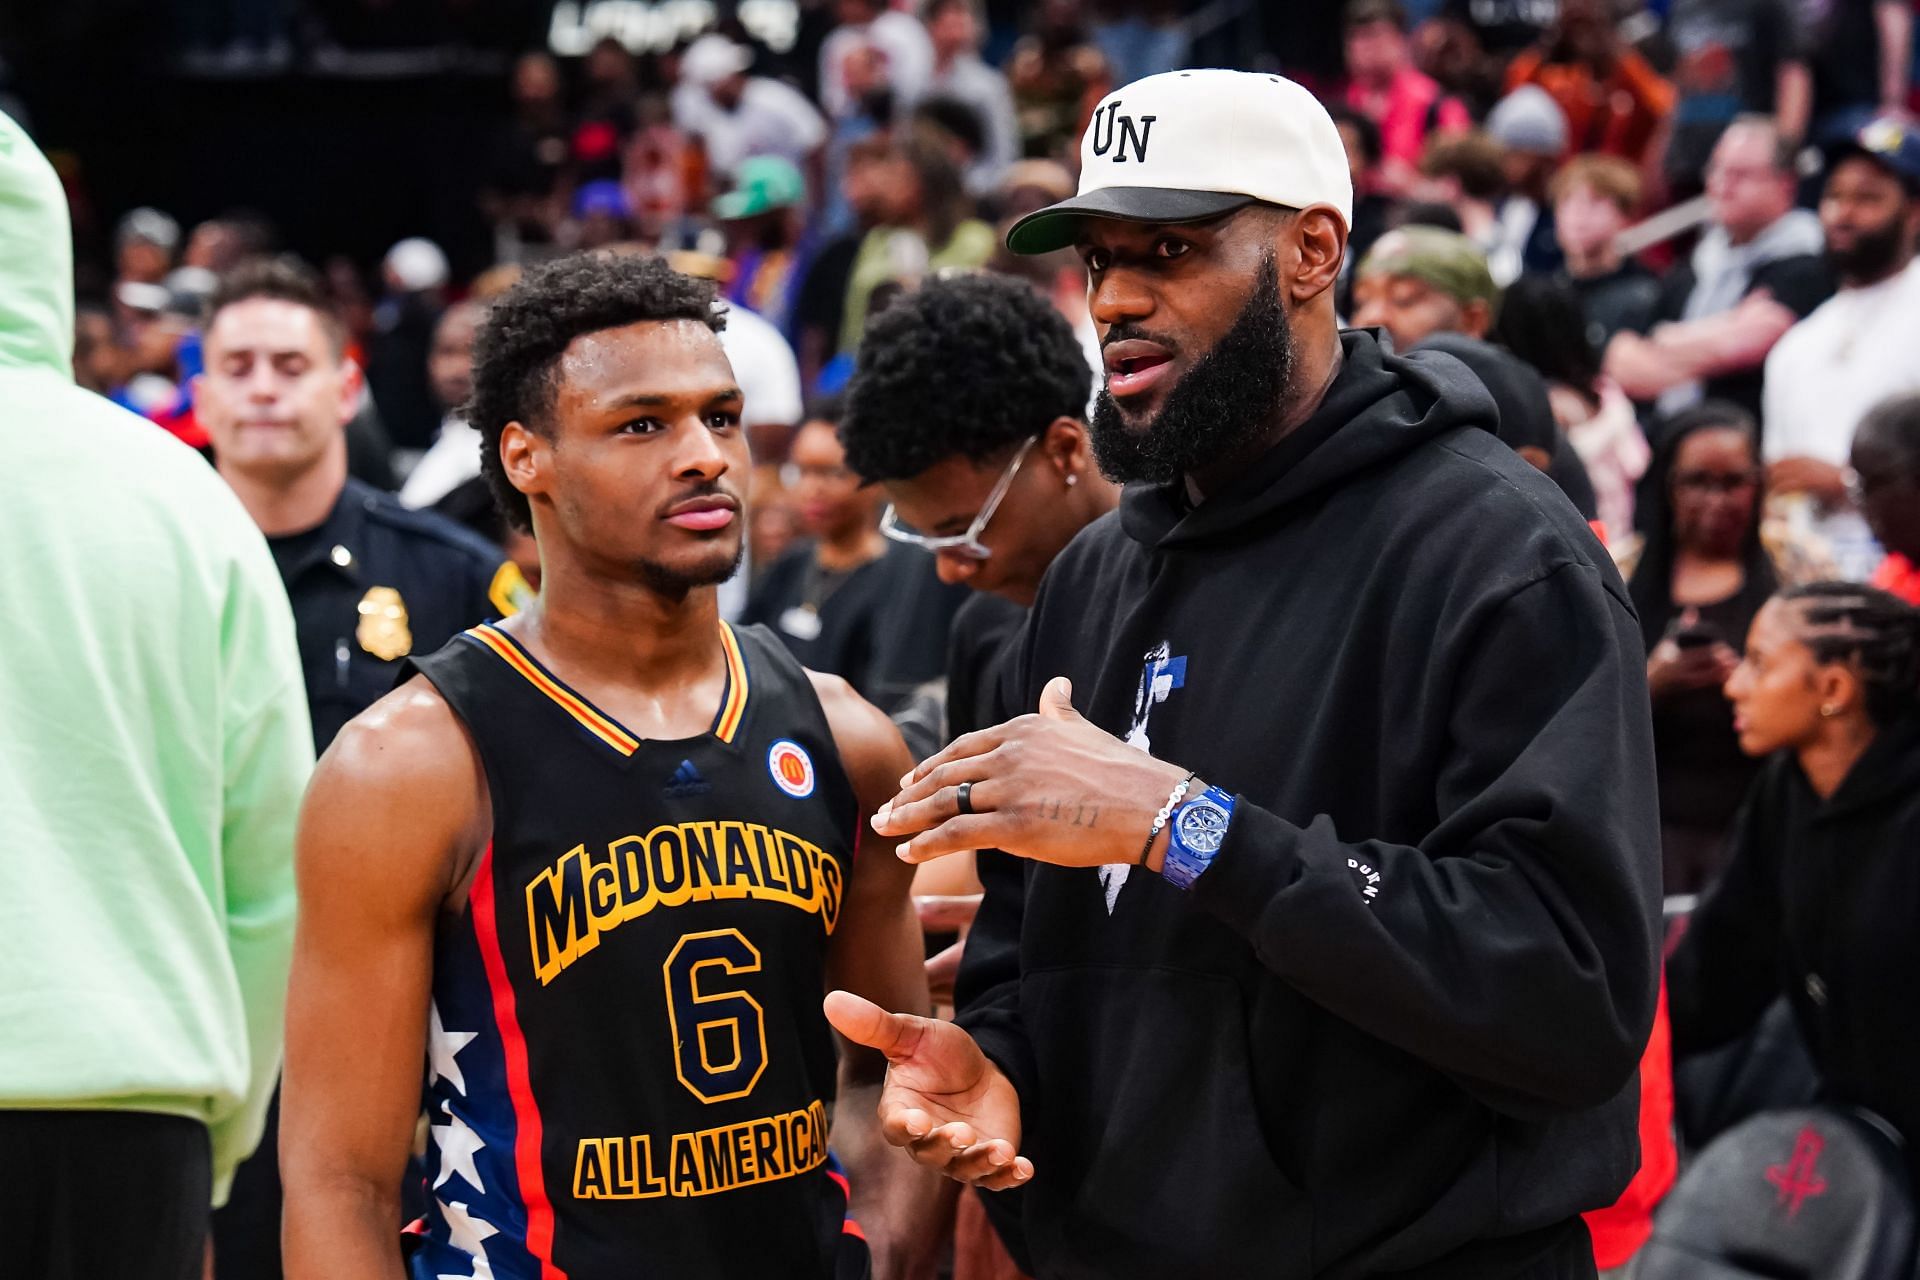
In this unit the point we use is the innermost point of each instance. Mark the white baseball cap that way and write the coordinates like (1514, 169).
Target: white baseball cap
(1185, 146)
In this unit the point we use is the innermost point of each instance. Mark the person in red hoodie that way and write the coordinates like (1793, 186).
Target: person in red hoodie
(1384, 86)
(1886, 467)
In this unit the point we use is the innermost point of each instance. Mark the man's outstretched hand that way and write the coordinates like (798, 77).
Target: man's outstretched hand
(944, 1101)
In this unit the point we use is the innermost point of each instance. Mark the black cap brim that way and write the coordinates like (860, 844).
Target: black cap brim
(1057, 225)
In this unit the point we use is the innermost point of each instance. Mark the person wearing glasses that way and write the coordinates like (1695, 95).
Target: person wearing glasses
(967, 407)
(845, 600)
(1701, 575)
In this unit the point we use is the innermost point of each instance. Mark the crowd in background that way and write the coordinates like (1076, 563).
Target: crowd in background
(1674, 240)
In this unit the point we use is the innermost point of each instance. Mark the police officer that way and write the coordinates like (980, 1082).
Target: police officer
(370, 581)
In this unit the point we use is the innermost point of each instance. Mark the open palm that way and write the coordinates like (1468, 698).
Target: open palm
(944, 1101)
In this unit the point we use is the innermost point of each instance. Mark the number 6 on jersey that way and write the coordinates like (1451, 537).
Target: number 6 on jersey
(723, 1013)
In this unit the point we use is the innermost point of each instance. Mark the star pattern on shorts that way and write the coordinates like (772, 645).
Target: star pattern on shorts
(458, 1145)
(466, 1232)
(443, 1047)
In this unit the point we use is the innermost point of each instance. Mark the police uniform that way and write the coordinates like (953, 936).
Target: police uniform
(375, 583)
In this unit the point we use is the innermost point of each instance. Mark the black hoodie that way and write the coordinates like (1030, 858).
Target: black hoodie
(1821, 901)
(1394, 1027)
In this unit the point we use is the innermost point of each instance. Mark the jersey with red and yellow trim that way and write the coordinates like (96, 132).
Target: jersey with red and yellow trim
(629, 1073)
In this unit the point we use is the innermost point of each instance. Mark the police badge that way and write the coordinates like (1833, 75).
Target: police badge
(383, 630)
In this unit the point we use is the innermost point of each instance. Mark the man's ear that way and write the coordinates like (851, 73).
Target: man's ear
(524, 457)
(1476, 318)
(1320, 243)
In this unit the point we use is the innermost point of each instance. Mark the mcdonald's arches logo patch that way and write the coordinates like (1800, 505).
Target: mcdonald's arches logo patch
(791, 767)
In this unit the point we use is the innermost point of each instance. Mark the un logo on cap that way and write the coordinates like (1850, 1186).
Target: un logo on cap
(1129, 133)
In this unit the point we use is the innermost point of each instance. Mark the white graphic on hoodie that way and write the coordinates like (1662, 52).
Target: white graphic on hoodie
(1160, 674)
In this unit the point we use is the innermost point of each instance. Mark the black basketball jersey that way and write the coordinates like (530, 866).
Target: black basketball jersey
(629, 1071)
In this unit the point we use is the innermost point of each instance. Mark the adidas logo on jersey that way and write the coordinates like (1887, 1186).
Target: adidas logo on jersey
(686, 781)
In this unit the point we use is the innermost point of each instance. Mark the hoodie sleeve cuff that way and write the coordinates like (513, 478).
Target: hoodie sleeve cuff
(1258, 859)
(1005, 1047)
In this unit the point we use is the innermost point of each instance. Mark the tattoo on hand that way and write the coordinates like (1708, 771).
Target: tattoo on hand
(1081, 815)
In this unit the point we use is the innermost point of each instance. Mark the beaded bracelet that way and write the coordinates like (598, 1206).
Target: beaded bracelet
(1165, 815)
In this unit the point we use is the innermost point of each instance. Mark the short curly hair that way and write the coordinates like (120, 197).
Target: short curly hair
(520, 343)
(967, 365)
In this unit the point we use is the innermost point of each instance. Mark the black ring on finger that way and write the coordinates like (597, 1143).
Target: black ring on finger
(963, 797)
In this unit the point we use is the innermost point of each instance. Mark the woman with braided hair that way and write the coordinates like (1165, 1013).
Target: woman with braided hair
(1821, 900)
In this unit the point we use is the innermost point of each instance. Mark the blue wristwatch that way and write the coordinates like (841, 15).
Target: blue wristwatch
(1195, 835)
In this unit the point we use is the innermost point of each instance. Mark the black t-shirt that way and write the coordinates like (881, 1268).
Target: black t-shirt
(1623, 300)
(823, 295)
(881, 626)
(1799, 283)
(1844, 51)
(1727, 54)
(980, 651)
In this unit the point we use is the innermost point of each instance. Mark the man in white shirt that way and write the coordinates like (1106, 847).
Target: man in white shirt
(1855, 349)
(737, 115)
(960, 74)
(899, 38)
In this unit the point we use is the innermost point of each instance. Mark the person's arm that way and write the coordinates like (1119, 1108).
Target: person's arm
(1725, 970)
(878, 953)
(1514, 947)
(397, 809)
(1686, 350)
(1793, 99)
(1893, 20)
(267, 748)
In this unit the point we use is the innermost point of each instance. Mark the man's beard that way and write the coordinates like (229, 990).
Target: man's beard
(1874, 253)
(677, 580)
(1220, 409)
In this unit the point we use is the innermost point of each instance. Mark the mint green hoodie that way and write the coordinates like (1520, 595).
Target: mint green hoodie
(153, 737)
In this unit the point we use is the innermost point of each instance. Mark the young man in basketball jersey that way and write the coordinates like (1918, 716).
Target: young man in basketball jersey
(593, 868)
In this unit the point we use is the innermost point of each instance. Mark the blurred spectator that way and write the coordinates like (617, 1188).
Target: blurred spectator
(95, 358)
(1468, 173)
(1384, 86)
(1419, 281)
(153, 747)
(221, 244)
(960, 74)
(955, 126)
(1756, 271)
(471, 504)
(144, 244)
(664, 174)
(763, 364)
(925, 225)
(1532, 133)
(1429, 288)
(773, 521)
(764, 217)
(1594, 199)
(1732, 58)
(454, 456)
(1886, 464)
(848, 601)
(521, 196)
(1141, 38)
(904, 49)
(1503, 28)
(414, 274)
(1057, 77)
(820, 311)
(601, 216)
(1856, 349)
(1819, 901)
(1371, 203)
(738, 116)
(1613, 99)
(1542, 323)
(1861, 53)
(606, 116)
(1699, 578)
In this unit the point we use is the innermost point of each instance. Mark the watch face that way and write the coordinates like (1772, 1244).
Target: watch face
(1203, 825)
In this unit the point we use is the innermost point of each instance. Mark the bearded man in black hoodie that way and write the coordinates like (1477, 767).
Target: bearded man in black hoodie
(1336, 944)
